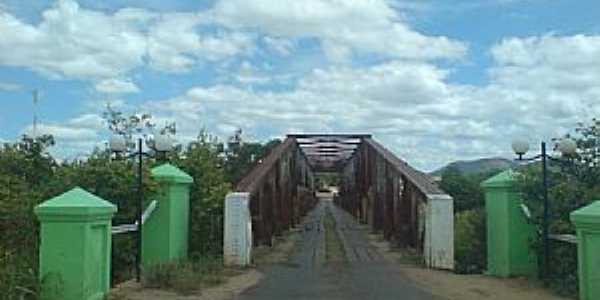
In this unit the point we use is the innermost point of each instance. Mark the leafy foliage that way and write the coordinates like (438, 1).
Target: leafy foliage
(469, 215)
(24, 166)
(465, 189)
(242, 156)
(29, 175)
(573, 184)
(201, 160)
(470, 245)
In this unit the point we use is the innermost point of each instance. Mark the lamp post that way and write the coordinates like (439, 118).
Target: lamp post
(566, 147)
(118, 144)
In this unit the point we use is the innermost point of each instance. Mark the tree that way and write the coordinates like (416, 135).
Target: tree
(202, 160)
(573, 184)
(136, 124)
(464, 189)
(25, 166)
(241, 156)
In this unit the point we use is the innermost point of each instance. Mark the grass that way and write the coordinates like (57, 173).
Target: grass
(407, 255)
(186, 277)
(334, 250)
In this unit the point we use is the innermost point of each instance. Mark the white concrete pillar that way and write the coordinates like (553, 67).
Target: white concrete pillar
(237, 239)
(438, 247)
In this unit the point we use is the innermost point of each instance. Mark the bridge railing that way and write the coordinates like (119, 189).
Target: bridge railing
(403, 203)
(281, 191)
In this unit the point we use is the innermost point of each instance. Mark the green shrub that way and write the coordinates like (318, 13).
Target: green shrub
(573, 183)
(178, 276)
(563, 269)
(18, 276)
(185, 277)
(470, 250)
(30, 175)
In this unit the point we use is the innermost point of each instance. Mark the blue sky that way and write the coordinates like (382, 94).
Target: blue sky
(435, 81)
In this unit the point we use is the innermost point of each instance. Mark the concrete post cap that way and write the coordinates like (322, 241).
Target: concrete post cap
(74, 204)
(589, 214)
(504, 179)
(171, 173)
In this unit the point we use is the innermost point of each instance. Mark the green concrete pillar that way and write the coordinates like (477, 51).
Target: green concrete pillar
(75, 246)
(165, 233)
(587, 224)
(509, 233)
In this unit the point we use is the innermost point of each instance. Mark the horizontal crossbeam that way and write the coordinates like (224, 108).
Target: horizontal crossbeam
(330, 135)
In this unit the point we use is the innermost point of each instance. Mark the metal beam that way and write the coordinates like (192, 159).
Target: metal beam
(330, 135)
(329, 145)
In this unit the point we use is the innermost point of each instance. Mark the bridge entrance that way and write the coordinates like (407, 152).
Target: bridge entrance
(375, 187)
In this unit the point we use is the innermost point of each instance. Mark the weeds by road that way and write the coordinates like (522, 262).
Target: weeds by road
(460, 287)
(334, 250)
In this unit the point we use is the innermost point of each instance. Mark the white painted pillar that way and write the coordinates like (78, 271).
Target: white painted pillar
(237, 236)
(438, 246)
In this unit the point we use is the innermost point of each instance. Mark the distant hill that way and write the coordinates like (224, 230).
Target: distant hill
(478, 166)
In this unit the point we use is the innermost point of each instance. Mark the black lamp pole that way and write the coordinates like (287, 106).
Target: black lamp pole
(545, 222)
(119, 145)
(567, 146)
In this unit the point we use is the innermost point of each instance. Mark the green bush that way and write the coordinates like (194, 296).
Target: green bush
(185, 277)
(30, 175)
(470, 250)
(573, 184)
(201, 160)
(565, 196)
(465, 189)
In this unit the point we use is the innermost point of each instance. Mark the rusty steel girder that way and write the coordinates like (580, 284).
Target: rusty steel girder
(377, 187)
(281, 191)
(382, 190)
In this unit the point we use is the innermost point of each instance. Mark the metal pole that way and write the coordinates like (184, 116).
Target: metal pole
(546, 212)
(138, 257)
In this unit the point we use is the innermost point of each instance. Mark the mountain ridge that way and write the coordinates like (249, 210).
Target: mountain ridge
(477, 166)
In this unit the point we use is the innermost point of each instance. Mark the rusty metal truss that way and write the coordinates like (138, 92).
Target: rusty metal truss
(377, 187)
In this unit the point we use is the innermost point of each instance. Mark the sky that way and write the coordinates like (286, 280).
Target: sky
(434, 80)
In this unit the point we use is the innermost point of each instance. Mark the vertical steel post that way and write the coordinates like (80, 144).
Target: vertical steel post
(546, 212)
(138, 256)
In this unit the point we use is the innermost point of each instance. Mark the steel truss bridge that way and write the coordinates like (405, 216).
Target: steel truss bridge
(377, 187)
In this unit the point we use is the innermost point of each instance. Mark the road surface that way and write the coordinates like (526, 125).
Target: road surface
(334, 260)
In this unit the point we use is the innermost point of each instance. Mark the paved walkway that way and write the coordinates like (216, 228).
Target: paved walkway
(362, 275)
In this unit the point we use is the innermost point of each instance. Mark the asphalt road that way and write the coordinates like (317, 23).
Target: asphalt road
(361, 274)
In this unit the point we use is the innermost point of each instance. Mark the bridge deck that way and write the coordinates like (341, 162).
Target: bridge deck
(362, 275)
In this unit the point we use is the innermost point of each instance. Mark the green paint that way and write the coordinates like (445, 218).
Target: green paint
(75, 246)
(509, 234)
(170, 173)
(165, 233)
(587, 223)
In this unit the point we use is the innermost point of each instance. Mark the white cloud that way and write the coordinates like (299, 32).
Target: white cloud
(175, 44)
(413, 108)
(64, 132)
(76, 137)
(82, 127)
(554, 77)
(391, 100)
(281, 46)
(538, 87)
(71, 42)
(74, 42)
(88, 121)
(249, 74)
(10, 87)
(341, 25)
(116, 86)
(568, 62)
